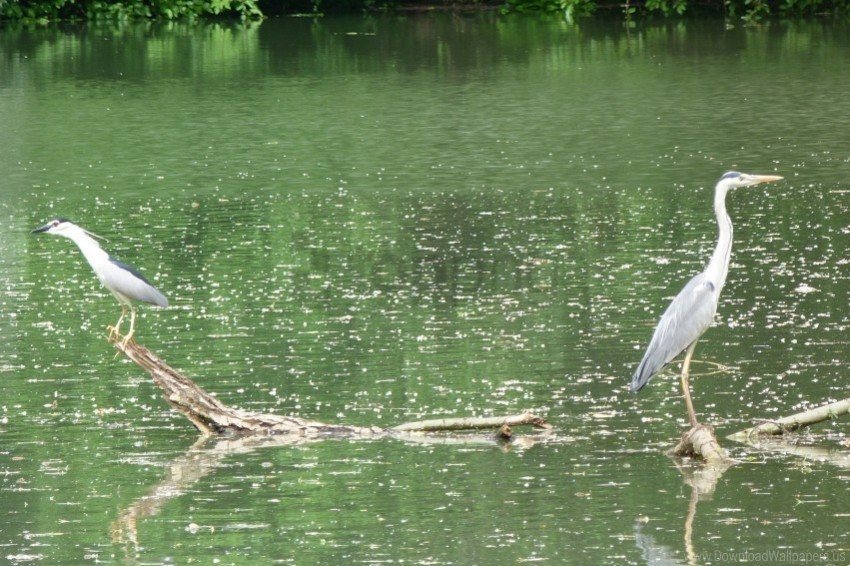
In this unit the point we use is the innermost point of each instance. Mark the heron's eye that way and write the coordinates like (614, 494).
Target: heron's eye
(55, 223)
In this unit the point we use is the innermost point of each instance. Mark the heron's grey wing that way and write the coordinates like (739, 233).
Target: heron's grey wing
(132, 284)
(688, 316)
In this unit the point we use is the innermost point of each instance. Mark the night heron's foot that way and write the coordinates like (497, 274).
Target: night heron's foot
(127, 339)
(113, 333)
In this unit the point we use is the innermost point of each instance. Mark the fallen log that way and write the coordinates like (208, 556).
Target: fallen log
(211, 416)
(794, 422)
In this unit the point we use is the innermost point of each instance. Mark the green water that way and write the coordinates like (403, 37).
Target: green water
(371, 221)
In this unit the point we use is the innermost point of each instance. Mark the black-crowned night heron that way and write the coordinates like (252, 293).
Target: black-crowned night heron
(692, 311)
(123, 281)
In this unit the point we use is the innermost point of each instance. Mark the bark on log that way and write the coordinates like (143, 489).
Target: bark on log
(794, 422)
(211, 416)
(699, 442)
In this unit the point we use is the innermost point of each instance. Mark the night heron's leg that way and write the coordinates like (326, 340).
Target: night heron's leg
(129, 335)
(686, 389)
(114, 330)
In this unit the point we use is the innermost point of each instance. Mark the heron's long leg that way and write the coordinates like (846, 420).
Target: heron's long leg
(129, 335)
(114, 330)
(686, 389)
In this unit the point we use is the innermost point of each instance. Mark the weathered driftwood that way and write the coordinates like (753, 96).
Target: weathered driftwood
(211, 416)
(794, 422)
(699, 442)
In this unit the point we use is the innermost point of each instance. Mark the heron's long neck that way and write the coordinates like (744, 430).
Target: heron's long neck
(92, 251)
(718, 266)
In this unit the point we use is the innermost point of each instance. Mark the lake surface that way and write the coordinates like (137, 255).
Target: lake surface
(376, 220)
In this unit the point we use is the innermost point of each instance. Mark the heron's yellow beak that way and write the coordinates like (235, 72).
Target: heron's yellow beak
(765, 178)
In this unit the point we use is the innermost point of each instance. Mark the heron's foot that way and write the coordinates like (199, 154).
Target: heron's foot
(114, 331)
(127, 339)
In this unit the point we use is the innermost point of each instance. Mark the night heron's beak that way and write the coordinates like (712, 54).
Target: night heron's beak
(44, 228)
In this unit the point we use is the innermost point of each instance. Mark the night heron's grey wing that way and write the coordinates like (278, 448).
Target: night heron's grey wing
(688, 316)
(129, 282)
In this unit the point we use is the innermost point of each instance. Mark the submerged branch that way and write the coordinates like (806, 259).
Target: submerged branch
(470, 423)
(794, 422)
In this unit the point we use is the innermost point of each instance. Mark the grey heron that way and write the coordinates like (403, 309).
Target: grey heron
(123, 281)
(692, 311)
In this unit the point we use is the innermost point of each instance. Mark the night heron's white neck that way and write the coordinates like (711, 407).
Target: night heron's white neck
(94, 254)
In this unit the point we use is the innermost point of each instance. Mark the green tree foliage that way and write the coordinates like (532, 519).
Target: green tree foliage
(746, 10)
(41, 10)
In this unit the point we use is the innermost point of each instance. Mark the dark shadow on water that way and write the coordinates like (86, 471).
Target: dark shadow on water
(209, 453)
(702, 481)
